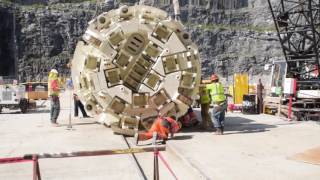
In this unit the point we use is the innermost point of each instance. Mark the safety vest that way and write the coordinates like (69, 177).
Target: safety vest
(216, 92)
(53, 85)
(204, 95)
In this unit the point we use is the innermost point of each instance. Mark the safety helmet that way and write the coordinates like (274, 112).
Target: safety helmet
(214, 77)
(54, 71)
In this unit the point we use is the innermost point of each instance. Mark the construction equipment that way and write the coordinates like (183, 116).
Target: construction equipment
(133, 64)
(297, 24)
(13, 97)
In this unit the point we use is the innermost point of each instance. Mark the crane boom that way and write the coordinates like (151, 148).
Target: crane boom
(298, 26)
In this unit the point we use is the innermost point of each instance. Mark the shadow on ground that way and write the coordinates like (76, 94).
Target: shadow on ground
(182, 137)
(176, 137)
(38, 111)
(79, 124)
(235, 125)
(243, 125)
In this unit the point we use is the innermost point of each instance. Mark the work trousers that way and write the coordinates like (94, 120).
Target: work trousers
(78, 104)
(260, 104)
(218, 115)
(55, 108)
(205, 115)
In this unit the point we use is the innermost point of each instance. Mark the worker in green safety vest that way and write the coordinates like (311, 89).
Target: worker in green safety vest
(218, 99)
(205, 105)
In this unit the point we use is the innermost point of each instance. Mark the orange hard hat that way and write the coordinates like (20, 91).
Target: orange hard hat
(214, 77)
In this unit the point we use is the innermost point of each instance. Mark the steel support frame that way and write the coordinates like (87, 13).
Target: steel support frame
(298, 25)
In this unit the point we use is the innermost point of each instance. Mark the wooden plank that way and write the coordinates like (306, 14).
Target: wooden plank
(37, 95)
(272, 103)
(301, 109)
(272, 99)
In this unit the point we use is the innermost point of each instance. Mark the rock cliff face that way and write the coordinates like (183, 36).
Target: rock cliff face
(233, 35)
(47, 37)
(7, 45)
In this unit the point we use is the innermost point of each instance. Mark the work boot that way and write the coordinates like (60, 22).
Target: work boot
(218, 131)
(136, 138)
(54, 124)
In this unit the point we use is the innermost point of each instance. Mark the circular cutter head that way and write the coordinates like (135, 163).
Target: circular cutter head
(134, 63)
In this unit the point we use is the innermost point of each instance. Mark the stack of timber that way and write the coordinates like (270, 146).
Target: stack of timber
(302, 109)
(271, 105)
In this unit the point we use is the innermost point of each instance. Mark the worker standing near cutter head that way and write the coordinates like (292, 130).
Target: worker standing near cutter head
(205, 105)
(163, 126)
(218, 99)
(53, 92)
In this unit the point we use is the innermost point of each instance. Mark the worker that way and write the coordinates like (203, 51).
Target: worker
(78, 104)
(218, 99)
(162, 126)
(53, 92)
(205, 105)
(189, 119)
(260, 88)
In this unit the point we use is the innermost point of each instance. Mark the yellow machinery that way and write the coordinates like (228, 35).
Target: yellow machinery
(241, 87)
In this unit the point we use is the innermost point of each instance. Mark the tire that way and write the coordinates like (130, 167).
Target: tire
(23, 105)
(0, 109)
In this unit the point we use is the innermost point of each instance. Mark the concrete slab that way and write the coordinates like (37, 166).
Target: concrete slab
(32, 133)
(253, 147)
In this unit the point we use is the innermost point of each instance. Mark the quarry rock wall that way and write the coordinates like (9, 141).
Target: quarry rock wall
(233, 36)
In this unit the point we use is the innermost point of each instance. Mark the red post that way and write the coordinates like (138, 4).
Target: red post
(29, 87)
(156, 165)
(155, 158)
(36, 168)
(290, 108)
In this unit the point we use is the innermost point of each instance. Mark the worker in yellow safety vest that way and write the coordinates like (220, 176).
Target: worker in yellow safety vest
(218, 99)
(53, 92)
(205, 105)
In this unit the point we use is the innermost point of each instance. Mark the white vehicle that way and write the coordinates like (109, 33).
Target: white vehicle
(13, 97)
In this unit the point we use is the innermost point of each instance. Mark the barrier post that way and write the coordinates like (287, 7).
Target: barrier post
(156, 166)
(69, 86)
(36, 168)
(155, 158)
(34, 158)
(290, 108)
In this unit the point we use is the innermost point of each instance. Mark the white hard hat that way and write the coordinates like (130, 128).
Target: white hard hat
(54, 71)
